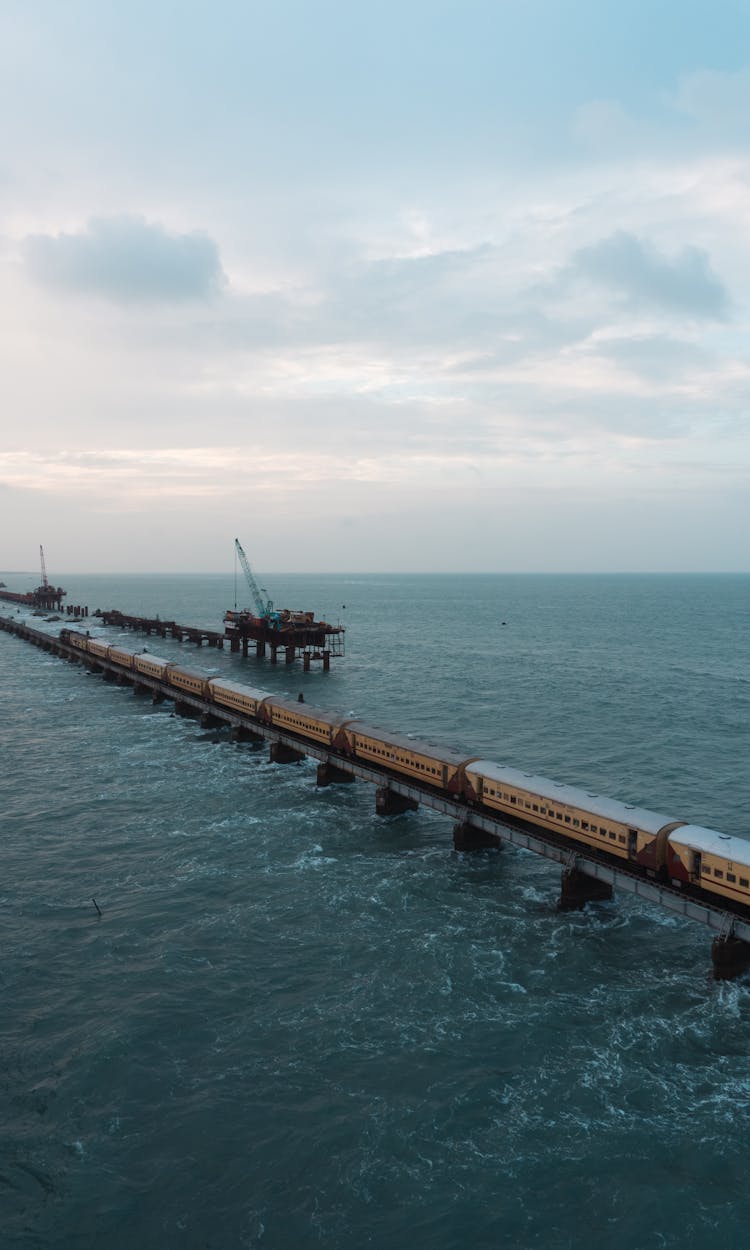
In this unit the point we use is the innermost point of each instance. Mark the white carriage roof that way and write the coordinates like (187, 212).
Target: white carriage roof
(238, 687)
(587, 800)
(711, 842)
(443, 754)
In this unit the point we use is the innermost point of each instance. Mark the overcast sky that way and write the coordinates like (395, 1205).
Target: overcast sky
(407, 286)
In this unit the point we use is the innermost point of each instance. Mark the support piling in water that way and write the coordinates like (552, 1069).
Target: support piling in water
(577, 889)
(329, 775)
(390, 803)
(730, 956)
(280, 753)
(466, 837)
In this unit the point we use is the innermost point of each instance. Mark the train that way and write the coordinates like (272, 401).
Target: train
(677, 852)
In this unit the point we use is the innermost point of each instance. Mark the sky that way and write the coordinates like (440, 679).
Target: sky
(394, 287)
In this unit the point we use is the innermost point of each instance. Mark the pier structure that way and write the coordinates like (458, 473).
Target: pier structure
(587, 876)
(290, 634)
(44, 598)
(279, 629)
(288, 637)
(164, 629)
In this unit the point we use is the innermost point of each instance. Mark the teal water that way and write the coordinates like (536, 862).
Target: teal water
(296, 1024)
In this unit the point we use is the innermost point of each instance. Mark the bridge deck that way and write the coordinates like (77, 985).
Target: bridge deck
(716, 917)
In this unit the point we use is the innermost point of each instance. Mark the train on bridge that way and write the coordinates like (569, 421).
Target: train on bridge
(704, 862)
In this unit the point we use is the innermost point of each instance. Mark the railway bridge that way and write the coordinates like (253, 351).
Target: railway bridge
(586, 875)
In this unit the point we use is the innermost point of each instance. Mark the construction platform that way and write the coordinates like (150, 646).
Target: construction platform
(293, 633)
(43, 598)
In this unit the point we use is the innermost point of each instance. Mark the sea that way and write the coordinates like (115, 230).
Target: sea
(242, 1011)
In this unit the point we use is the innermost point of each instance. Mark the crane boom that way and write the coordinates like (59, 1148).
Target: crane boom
(263, 609)
(45, 583)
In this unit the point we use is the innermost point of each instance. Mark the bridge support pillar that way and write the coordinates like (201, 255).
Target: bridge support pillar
(280, 753)
(389, 803)
(466, 837)
(184, 709)
(578, 890)
(306, 662)
(158, 697)
(730, 956)
(209, 721)
(326, 661)
(260, 648)
(289, 655)
(329, 775)
(240, 733)
(273, 653)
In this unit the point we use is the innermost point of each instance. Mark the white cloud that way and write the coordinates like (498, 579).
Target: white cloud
(126, 259)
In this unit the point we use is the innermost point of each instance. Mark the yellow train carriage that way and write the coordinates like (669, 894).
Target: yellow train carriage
(151, 665)
(620, 829)
(118, 655)
(188, 680)
(314, 723)
(98, 647)
(422, 761)
(717, 862)
(237, 697)
(74, 639)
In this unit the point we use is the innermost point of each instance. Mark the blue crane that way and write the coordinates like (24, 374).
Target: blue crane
(264, 609)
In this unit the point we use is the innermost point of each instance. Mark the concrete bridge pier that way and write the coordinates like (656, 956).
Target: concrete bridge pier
(209, 721)
(466, 837)
(280, 753)
(239, 733)
(578, 890)
(389, 803)
(730, 956)
(184, 709)
(329, 775)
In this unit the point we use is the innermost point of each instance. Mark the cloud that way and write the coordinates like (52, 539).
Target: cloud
(126, 259)
(637, 272)
(717, 102)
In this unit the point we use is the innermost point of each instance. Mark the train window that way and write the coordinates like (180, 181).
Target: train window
(718, 872)
(576, 824)
(594, 829)
(585, 825)
(543, 810)
(513, 798)
(706, 871)
(527, 806)
(731, 876)
(621, 837)
(744, 881)
(559, 815)
(613, 836)
(536, 807)
(567, 820)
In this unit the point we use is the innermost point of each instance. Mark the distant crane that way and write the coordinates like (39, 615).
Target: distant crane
(45, 583)
(264, 609)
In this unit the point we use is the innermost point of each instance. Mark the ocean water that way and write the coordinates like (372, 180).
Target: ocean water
(296, 1024)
